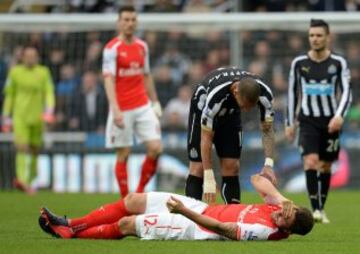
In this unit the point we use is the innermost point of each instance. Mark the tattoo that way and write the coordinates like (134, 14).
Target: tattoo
(268, 139)
(229, 230)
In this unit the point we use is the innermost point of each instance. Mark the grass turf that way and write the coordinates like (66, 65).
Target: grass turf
(20, 233)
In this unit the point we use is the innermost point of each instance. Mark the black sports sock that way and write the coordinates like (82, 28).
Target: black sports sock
(324, 180)
(194, 187)
(313, 188)
(230, 189)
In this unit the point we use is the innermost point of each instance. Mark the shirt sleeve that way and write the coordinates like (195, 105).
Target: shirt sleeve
(254, 232)
(214, 100)
(109, 62)
(292, 94)
(265, 103)
(49, 90)
(9, 91)
(346, 96)
(147, 59)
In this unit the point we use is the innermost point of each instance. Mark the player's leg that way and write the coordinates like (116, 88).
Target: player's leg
(309, 143)
(36, 138)
(228, 144)
(116, 230)
(330, 147)
(194, 181)
(230, 185)
(122, 140)
(22, 140)
(122, 155)
(134, 203)
(147, 130)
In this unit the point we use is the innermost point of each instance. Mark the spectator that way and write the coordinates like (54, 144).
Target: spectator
(178, 63)
(89, 106)
(65, 89)
(176, 112)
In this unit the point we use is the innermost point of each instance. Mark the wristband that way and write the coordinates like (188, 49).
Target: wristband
(209, 181)
(269, 162)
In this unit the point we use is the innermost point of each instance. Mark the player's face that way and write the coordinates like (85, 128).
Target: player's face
(318, 38)
(279, 219)
(127, 23)
(30, 57)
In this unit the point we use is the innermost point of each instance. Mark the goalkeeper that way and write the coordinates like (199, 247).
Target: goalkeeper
(29, 101)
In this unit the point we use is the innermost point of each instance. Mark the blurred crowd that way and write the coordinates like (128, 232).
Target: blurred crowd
(94, 6)
(178, 60)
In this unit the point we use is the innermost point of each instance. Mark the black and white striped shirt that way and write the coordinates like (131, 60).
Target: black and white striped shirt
(219, 101)
(318, 83)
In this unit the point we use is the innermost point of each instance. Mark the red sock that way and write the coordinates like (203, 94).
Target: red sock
(122, 178)
(106, 231)
(106, 214)
(147, 171)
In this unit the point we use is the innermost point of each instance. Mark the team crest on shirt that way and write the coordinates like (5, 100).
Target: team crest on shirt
(193, 153)
(331, 69)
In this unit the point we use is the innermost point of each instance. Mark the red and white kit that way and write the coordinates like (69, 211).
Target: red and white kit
(128, 62)
(254, 221)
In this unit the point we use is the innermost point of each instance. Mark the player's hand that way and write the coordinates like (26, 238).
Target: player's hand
(174, 205)
(269, 174)
(290, 133)
(6, 124)
(118, 118)
(48, 116)
(209, 186)
(335, 124)
(288, 208)
(157, 108)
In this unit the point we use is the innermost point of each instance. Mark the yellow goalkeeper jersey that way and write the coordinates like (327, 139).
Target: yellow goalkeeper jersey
(28, 92)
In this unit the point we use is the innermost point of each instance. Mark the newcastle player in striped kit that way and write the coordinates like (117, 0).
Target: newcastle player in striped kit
(215, 119)
(319, 78)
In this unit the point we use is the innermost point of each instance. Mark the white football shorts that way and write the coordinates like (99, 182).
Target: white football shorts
(140, 123)
(158, 224)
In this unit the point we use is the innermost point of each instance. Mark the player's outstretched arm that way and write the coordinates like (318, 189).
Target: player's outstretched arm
(228, 229)
(266, 189)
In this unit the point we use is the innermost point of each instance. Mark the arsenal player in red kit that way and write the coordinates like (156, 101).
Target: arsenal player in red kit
(166, 216)
(134, 106)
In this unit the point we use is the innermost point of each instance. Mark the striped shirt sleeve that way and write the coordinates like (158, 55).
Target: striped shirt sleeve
(292, 93)
(265, 103)
(214, 101)
(346, 95)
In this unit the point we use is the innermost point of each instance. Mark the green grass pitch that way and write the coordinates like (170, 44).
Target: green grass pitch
(19, 231)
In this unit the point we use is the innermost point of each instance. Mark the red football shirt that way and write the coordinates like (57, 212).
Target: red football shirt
(127, 62)
(254, 221)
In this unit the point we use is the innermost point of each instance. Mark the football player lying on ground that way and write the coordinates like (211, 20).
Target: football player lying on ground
(166, 216)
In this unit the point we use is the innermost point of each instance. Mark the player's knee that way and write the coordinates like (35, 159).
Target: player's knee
(155, 150)
(311, 162)
(135, 203)
(196, 169)
(230, 168)
(127, 225)
(122, 154)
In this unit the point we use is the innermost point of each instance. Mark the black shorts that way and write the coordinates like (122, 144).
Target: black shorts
(227, 131)
(314, 138)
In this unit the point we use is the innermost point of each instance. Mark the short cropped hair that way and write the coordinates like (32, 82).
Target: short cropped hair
(126, 8)
(320, 23)
(303, 223)
(249, 89)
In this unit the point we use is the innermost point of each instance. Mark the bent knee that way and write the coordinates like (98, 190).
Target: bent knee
(127, 225)
(135, 203)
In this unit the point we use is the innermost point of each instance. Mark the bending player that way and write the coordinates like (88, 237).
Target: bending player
(167, 216)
